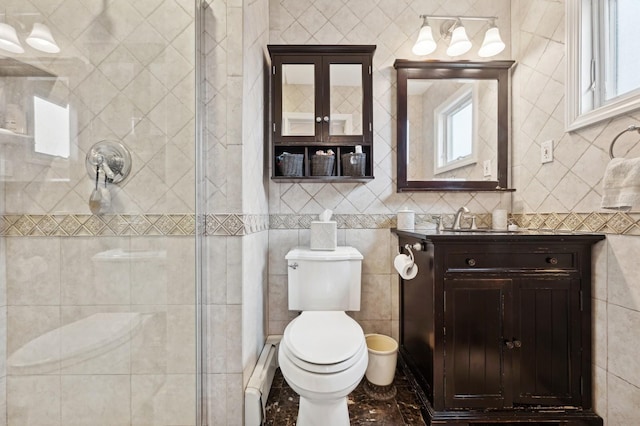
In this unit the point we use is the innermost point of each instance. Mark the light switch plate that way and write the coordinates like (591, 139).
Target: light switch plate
(546, 151)
(486, 166)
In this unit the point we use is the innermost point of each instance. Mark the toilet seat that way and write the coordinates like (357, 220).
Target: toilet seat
(323, 342)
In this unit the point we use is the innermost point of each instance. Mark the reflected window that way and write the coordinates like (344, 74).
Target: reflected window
(454, 131)
(51, 128)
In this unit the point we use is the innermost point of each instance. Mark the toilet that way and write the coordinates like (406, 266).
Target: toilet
(323, 353)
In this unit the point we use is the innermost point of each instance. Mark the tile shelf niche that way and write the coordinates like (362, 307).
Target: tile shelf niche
(320, 98)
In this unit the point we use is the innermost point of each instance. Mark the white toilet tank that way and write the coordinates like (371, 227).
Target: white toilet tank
(324, 280)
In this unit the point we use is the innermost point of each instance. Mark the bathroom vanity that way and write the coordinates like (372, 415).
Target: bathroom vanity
(496, 327)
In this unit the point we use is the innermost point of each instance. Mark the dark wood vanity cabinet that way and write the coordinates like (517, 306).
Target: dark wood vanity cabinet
(497, 328)
(321, 99)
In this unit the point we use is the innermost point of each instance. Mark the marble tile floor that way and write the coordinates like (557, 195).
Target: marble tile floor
(403, 409)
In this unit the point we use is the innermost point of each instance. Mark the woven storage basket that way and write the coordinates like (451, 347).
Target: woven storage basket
(353, 164)
(290, 164)
(322, 165)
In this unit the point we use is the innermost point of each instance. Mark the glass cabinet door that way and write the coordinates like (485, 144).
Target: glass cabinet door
(298, 100)
(346, 99)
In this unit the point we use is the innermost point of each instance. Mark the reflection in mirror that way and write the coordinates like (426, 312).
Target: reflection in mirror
(445, 138)
(298, 100)
(453, 125)
(347, 99)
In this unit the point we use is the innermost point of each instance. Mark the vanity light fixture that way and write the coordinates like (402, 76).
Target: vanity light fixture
(425, 43)
(9, 39)
(40, 37)
(452, 29)
(460, 43)
(492, 44)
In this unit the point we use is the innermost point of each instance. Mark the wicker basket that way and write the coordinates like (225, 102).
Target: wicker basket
(354, 164)
(290, 164)
(322, 165)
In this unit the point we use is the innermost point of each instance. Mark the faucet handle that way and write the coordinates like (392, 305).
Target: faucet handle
(474, 225)
(438, 219)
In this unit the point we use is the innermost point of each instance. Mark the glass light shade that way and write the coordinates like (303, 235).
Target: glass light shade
(460, 43)
(41, 39)
(492, 44)
(425, 43)
(9, 39)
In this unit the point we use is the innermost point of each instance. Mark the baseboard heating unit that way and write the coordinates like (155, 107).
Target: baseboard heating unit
(257, 391)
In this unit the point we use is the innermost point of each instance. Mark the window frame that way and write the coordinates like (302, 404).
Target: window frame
(584, 59)
(455, 103)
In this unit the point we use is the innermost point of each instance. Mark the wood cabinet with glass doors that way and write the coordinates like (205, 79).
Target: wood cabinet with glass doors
(320, 112)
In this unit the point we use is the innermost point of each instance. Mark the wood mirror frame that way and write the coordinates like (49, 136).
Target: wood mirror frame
(489, 70)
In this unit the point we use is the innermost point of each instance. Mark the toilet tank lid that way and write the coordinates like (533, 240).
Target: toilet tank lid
(340, 253)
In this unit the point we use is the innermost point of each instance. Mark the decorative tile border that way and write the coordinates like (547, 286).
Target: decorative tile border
(96, 225)
(245, 224)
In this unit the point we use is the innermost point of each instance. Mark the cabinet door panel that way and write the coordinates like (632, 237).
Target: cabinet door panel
(547, 365)
(347, 90)
(297, 99)
(475, 366)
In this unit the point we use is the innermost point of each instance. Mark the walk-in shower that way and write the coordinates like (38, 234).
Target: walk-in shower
(100, 313)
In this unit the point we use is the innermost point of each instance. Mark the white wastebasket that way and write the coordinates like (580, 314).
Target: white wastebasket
(383, 355)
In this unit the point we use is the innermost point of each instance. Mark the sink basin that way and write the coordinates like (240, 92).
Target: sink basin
(485, 230)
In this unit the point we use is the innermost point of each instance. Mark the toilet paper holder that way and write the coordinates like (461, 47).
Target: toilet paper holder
(410, 248)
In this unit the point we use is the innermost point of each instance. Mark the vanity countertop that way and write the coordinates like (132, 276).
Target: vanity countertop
(490, 235)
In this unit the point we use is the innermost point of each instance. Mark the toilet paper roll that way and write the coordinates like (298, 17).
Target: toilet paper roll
(405, 267)
(406, 220)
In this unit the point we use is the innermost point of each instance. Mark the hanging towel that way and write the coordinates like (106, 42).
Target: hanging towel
(621, 184)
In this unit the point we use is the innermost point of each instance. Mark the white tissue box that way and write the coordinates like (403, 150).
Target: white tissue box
(324, 235)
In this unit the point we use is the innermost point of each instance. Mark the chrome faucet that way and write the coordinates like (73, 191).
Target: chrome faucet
(456, 222)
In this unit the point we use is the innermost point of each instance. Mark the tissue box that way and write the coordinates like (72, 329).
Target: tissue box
(324, 235)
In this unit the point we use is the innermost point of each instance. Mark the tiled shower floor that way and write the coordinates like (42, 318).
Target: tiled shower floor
(404, 409)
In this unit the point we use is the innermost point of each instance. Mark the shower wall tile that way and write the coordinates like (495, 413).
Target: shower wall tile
(95, 399)
(163, 399)
(127, 75)
(29, 400)
(94, 273)
(224, 399)
(25, 323)
(33, 271)
(181, 339)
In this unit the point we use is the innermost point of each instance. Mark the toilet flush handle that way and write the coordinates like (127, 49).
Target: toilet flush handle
(293, 265)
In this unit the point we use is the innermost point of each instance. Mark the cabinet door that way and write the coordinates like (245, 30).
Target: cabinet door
(347, 94)
(548, 324)
(297, 99)
(476, 370)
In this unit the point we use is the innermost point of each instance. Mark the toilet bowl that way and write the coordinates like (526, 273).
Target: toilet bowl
(323, 353)
(323, 357)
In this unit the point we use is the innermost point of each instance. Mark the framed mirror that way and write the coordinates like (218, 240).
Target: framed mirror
(453, 125)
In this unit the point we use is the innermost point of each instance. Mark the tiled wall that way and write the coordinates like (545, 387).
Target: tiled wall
(235, 36)
(392, 26)
(126, 69)
(569, 189)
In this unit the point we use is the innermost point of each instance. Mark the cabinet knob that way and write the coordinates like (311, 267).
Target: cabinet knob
(471, 262)
(509, 344)
(326, 118)
(318, 119)
(552, 260)
(517, 343)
